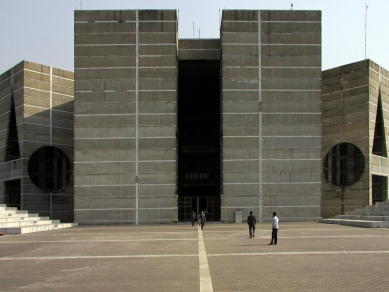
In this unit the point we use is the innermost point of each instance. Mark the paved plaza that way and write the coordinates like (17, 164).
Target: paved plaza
(309, 256)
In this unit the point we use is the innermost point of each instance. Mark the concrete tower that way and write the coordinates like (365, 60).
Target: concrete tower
(165, 126)
(36, 141)
(355, 135)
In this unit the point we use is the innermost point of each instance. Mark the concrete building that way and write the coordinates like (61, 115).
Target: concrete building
(36, 140)
(355, 104)
(164, 126)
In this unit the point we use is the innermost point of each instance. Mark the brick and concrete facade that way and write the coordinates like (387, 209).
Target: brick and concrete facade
(355, 104)
(36, 140)
(139, 153)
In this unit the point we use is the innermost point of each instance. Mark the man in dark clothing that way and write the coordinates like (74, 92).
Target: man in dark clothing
(193, 217)
(202, 219)
(251, 222)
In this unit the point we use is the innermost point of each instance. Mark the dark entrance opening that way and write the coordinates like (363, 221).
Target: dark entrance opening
(379, 192)
(198, 139)
(343, 166)
(12, 193)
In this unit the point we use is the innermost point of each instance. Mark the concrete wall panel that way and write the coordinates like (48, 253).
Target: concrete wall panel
(286, 101)
(107, 191)
(139, 102)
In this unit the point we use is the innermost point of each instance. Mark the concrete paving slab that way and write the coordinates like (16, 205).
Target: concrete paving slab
(309, 257)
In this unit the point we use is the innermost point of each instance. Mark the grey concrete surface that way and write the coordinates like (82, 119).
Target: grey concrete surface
(271, 101)
(126, 105)
(352, 96)
(43, 99)
(309, 257)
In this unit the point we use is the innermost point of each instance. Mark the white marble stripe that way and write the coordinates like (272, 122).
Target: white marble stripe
(140, 114)
(116, 21)
(205, 274)
(44, 142)
(122, 185)
(129, 67)
(270, 90)
(97, 257)
(136, 117)
(260, 118)
(110, 209)
(106, 240)
(275, 21)
(300, 253)
(122, 45)
(126, 161)
(117, 138)
(267, 44)
(14, 177)
(191, 255)
(283, 136)
(277, 159)
(56, 76)
(266, 206)
(380, 73)
(57, 93)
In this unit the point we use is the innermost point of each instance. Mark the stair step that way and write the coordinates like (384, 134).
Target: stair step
(364, 217)
(3, 207)
(8, 213)
(14, 221)
(21, 218)
(27, 223)
(35, 228)
(358, 223)
(5, 216)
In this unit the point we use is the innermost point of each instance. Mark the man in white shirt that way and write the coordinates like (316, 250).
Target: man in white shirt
(274, 229)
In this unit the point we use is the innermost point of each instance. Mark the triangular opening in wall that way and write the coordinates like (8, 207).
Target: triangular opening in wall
(13, 151)
(379, 142)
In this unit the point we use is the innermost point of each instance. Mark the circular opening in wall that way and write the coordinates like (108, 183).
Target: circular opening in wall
(343, 165)
(49, 169)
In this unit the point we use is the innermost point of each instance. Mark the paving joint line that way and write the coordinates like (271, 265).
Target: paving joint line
(205, 274)
(97, 257)
(299, 253)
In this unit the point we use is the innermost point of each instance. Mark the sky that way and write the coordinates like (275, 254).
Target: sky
(42, 31)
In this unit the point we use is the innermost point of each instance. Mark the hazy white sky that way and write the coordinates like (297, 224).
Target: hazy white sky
(42, 31)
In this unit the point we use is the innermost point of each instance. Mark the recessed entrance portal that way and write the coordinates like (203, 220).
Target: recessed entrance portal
(198, 139)
(12, 191)
(379, 192)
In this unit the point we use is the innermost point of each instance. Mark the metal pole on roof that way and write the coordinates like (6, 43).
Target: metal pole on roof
(365, 26)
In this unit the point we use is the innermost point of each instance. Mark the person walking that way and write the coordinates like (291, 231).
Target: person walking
(274, 229)
(193, 217)
(251, 221)
(202, 219)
